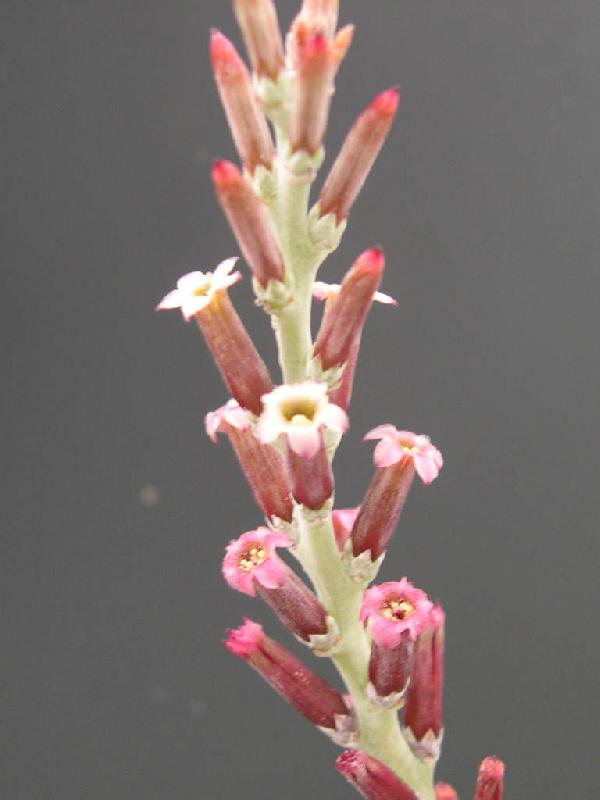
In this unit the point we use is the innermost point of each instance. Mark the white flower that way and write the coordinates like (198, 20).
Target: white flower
(300, 411)
(196, 289)
(322, 291)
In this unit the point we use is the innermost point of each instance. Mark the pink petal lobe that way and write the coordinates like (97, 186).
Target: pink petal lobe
(304, 442)
(335, 418)
(381, 432)
(170, 300)
(271, 573)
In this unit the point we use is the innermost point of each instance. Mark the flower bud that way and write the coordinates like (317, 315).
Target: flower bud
(321, 15)
(252, 566)
(246, 121)
(310, 695)
(249, 220)
(311, 476)
(262, 465)
(258, 22)
(359, 151)
(203, 295)
(490, 780)
(423, 712)
(372, 779)
(396, 613)
(443, 791)
(397, 456)
(345, 315)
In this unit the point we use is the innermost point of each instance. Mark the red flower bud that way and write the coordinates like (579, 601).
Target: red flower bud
(359, 151)
(258, 22)
(246, 121)
(250, 223)
(490, 780)
(371, 778)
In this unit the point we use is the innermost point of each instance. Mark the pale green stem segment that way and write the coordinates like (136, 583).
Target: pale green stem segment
(379, 734)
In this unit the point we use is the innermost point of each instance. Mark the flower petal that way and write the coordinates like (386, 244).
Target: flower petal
(386, 453)
(335, 418)
(304, 441)
(171, 300)
(380, 432)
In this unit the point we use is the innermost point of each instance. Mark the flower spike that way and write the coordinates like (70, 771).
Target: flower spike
(246, 120)
(203, 295)
(257, 20)
(310, 695)
(371, 778)
(490, 780)
(262, 465)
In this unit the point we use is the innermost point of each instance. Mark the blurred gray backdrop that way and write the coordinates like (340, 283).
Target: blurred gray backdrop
(116, 507)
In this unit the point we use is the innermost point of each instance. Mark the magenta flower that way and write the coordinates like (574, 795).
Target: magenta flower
(251, 558)
(343, 520)
(299, 411)
(396, 445)
(394, 609)
(371, 778)
(196, 290)
(229, 414)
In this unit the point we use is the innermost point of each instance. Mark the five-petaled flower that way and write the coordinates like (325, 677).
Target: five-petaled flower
(252, 558)
(393, 610)
(396, 445)
(196, 289)
(300, 411)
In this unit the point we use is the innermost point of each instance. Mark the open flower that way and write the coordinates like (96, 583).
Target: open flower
(252, 558)
(300, 411)
(326, 291)
(394, 609)
(229, 414)
(196, 289)
(396, 445)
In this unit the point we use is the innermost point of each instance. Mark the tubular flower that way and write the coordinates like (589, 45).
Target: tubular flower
(203, 295)
(423, 712)
(311, 476)
(490, 780)
(246, 121)
(264, 468)
(345, 315)
(247, 215)
(357, 156)
(310, 695)
(252, 566)
(396, 613)
(396, 445)
(257, 20)
(371, 778)
(299, 411)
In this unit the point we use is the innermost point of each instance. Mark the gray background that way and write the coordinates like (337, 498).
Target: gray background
(486, 200)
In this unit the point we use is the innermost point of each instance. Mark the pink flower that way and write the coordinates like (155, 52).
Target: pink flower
(326, 291)
(252, 557)
(196, 289)
(229, 414)
(396, 445)
(343, 521)
(394, 609)
(299, 411)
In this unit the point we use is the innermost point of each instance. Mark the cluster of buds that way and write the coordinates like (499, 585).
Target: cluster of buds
(387, 641)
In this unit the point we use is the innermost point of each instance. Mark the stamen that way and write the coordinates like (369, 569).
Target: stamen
(397, 608)
(252, 558)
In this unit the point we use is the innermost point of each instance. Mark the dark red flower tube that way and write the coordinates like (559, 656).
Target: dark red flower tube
(357, 156)
(248, 218)
(371, 778)
(423, 712)
(311, 476)
(310, 695)
(263, 466)
(490, 780)
(260, 28)
(246, 120)
(345, 315)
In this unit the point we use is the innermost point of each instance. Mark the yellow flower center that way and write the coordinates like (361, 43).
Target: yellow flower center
(252, 558)
(397, 608)
(299, 410)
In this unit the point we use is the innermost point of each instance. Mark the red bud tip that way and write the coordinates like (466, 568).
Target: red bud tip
(387, 102)
(222, 52)
(490, 780)
(371, 261)
(245, 640)
(225, 173)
